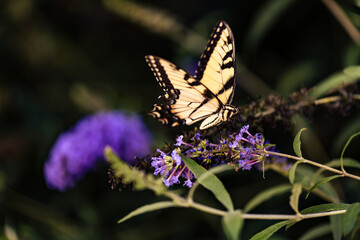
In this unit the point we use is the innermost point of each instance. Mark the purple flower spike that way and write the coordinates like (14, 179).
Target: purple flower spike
(81, 148)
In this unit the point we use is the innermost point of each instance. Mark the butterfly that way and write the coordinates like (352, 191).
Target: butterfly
(207, 95)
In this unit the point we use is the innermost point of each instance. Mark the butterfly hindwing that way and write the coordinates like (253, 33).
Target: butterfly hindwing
(204, 96)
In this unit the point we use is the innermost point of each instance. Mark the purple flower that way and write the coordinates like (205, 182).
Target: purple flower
(179, 141)
(244, 165)
(176, 157)
(188, 183)
(80, 149)
(233, 144)
(198, 136)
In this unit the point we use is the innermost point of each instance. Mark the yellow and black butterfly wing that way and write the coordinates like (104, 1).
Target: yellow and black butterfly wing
(189, 99)
(186, 101)
(216, 68)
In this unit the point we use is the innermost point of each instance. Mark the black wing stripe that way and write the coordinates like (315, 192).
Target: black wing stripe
(214, 38)
(189, 99)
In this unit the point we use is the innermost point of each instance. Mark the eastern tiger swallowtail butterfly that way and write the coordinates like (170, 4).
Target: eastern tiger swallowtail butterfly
(208, 94)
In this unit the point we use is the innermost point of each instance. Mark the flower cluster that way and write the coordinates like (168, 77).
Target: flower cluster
(81, 148)
(241, 150)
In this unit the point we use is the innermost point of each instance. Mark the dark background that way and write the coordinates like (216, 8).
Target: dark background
(61, 60)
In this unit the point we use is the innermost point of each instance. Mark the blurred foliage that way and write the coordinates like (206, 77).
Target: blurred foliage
(61, 60)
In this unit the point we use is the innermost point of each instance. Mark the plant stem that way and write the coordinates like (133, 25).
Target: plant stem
(295, 217)
(320, 101)
(345, 174)
(343, 20)
(207, 209)
(182, 202)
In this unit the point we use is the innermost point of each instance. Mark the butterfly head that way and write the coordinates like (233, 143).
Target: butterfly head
(229, 111)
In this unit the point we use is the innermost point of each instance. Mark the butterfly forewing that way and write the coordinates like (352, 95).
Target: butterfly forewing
(189, 99)
(216, 68)
(183, 100)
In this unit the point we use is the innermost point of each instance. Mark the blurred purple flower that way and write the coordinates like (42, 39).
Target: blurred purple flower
(80, 149)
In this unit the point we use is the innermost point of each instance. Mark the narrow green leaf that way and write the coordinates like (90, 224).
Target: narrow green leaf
(345, 147)
(336, 223)
(232, 223)
(292, 172)
(297, 143)
(268, 232)
(214, 170)
(148, 208)
(355, 230)
(348, 162)
(321, 182)
(294, 198)
(210, 182)
(327, 207)
(316, 232)
(292, 223)
(353, 71)
(266, 195)
(326, 191)
(352, 126)
(351, 217)
(335, 81)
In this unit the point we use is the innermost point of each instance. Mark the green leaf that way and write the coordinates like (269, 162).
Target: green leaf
(351, 126)
(214, 170)
(348, 162)
(319, 209)
(266, 195)
(148, 208)
(294, 198)
(297, 143)
(210, 182)
(326, 191)
(336, 223)
(321, 182)
(316, 232)
(345, 147)
(327, 207)
(335, 81)
(351, 217)
(292, 172)
(353, 71)
(232, 223)
(268, 232)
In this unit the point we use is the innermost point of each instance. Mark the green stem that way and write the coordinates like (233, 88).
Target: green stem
(207, 209)
(182, 202)
(295, 217)
(345, 174)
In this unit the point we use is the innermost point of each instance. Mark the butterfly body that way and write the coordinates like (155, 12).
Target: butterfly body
(207, 95)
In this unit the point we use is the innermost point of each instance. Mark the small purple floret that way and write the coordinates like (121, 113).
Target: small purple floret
(179, 141)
